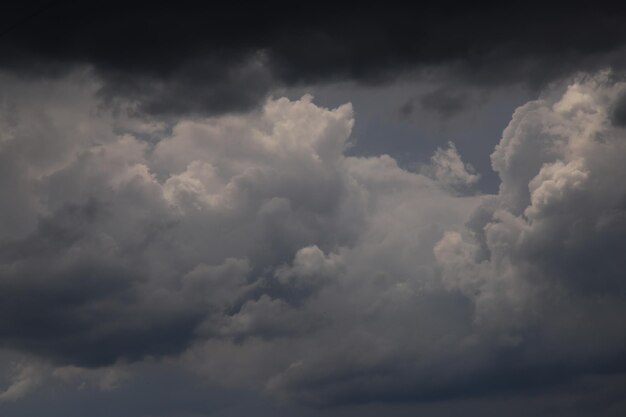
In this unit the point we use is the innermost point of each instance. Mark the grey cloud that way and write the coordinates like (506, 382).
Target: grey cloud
(618, 116)
(551, 241)
(25, 379)
(447, 167)
(185, 57)
(85, 306)
(444, 102)
(251, 250)
(524, 300)
(209, 85)
(91, 255)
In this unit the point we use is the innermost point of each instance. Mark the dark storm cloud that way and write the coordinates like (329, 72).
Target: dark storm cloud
(181, 58)
(618, 115)
(65, 298)
(508, 370)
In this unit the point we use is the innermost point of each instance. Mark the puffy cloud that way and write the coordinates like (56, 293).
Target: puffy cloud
(542, 259)
(251, 249)
(93, 219)
(447, 167)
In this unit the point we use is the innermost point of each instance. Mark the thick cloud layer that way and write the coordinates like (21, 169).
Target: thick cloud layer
(183, 57)
(543, 257)
(252, 250)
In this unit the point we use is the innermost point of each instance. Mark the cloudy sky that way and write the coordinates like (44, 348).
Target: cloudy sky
(312, 210)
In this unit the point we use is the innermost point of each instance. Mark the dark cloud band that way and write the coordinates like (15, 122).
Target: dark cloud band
(182, 58)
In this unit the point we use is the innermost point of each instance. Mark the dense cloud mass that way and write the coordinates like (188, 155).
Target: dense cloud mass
(181, 58)
(250, 249)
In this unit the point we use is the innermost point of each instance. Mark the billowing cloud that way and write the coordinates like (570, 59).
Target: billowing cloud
(541, 260)
(252, 250)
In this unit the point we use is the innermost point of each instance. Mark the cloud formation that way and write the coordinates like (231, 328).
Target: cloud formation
(184, 57)
(250, 249)
(541, 258)
(447, 167)
(25, 378)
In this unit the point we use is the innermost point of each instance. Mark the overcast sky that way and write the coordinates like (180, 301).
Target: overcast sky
(312, 210)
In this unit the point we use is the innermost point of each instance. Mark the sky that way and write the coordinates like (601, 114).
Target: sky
(312, 209)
